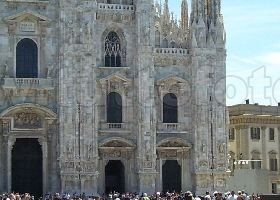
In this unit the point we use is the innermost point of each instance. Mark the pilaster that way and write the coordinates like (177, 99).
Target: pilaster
(146, 141)
(263, 143)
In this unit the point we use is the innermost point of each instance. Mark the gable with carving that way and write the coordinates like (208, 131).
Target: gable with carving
(26, 22)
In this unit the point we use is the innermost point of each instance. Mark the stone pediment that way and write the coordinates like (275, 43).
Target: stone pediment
(171, 79)
(27, 16)
(115, 78)
(174, 143)
(116, 143)
(115, 83)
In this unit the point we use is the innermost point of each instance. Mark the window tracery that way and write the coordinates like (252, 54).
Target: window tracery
(113, 50)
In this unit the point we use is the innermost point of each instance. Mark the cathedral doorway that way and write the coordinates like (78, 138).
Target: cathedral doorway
(27, 167)
(171, 176)
(114, 177)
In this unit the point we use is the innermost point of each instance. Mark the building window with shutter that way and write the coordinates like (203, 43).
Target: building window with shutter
(271, 134)
(273, 162)
(256, 160)
(231, 134)
(274, 188)
(255, 133)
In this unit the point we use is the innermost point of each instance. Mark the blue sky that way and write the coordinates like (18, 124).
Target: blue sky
(253, 48)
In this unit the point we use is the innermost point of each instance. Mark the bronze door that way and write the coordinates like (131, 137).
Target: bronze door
(27, 167)
(114, 177)
(171, 176)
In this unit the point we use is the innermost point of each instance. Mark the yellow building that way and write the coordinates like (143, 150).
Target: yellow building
(254, 145)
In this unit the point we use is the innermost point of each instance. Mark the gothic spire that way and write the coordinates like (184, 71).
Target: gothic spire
(184, 15)
(209, 10)
(166, 13)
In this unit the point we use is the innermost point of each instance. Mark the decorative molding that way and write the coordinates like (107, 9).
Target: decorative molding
(27, 14)
(254, 120)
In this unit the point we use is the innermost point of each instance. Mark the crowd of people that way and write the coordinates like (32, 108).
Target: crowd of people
(241, 195)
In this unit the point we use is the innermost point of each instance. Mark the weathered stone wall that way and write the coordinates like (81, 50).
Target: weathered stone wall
(73, 82)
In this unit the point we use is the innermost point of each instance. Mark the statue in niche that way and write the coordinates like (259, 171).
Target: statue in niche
(221, 147)
(5, 70)
(69, 149)
(203, 148)
(88, 151)
(50, 69)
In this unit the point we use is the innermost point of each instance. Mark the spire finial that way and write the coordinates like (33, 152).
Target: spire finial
(184, 15)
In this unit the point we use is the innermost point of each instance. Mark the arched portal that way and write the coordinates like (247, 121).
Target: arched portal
(114, 177)
(171, 176)
(27, 167)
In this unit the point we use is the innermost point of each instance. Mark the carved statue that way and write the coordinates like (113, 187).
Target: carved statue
(203, 148)
(49, 71)
(5, 70)
(221, 148)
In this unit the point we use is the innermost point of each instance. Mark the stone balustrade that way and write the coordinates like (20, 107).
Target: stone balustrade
(114, 126)
(115, 7)
(171, 128)
(171, 51)
(28, 83)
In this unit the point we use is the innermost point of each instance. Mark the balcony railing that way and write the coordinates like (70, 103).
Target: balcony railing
(169, 127)
(28, 83)
(171, 51)
(115, 126)
(115, 7)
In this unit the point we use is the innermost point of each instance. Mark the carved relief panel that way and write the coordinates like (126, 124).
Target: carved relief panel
(27, 120)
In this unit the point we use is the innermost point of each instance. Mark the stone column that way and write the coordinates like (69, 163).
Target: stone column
(277, 138)
(44, 147)
(186, 178)
(11, 142)
(1, 164)
(52, 135)
(264, 153)
(159, 175)
(244, 137)
(101, 177)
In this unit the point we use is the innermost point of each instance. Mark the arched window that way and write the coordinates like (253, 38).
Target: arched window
(273, 162)
(172, 44)
(157, 39)
(170, 108)
(114, 108)
(113, 50)
(26, 59)
(256, 160)
(165, 43)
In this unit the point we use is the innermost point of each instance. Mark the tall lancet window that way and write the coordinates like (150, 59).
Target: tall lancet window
(157, 39)
(26, 59)
(113, 50)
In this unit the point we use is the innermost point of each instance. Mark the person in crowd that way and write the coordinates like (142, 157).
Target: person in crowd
(207, 196)
(232, 196)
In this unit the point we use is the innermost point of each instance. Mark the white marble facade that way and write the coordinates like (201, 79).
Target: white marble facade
(64, 104)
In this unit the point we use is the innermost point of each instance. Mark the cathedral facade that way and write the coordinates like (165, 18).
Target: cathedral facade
(112, 95)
